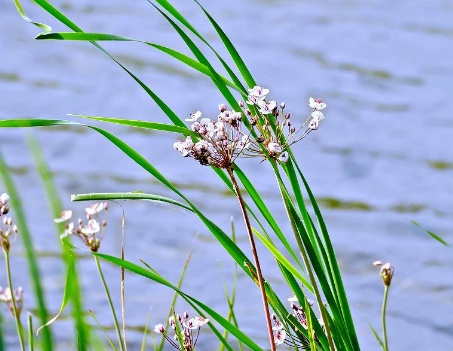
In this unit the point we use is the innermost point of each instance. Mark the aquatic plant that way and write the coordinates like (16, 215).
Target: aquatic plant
(252, 126)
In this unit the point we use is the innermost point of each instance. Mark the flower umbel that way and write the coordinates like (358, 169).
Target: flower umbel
(188, 329)
(221, 141)
(5, 296)
(91, 232)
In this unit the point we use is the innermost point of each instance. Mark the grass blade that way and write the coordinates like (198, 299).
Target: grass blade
(432, 234)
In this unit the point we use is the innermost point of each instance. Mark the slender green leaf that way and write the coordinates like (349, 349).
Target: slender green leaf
(376, 335)
(91, 37)
(128, 196)
(180, 18)
(231, 49)
(142, 124)
(432, 234)
(68, 291)
(25, 17)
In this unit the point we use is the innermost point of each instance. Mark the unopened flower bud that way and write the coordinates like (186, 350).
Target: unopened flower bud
(387, 274)
(159, 328)
(241, 103)
(282, 105)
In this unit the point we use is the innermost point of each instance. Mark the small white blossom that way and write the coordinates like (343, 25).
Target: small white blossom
(91, 228)
(280, 337)
(283, 157)
(65, 216)
(194, 116)
(267, 107)
(256, 95)
(274, 148)
(159, 328)
(4, 198)
(95, 208)
(201, 321)
(316, 116)
(190, 324)
(184, 146)
(316, 104)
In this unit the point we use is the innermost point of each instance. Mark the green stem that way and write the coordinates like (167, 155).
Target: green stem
(255, 258)
(19, 328)
(384, 310)
(31, 337)
(109, 298)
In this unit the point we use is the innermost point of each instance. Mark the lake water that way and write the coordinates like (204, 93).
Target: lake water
(382, 157)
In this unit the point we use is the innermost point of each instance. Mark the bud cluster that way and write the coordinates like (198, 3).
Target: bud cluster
(91, 232)
(187, 329)
(221, 141)
(9, 226)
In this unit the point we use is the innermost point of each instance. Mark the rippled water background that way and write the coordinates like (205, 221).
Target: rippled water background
(382, 158)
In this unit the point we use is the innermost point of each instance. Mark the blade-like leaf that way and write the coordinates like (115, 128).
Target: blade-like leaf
(141, 124)
(432, 234)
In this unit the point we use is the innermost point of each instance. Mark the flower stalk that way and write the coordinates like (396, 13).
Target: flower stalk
(112, 308)
(255, 258)
(386, 276)
(383, 315)
(15, 310)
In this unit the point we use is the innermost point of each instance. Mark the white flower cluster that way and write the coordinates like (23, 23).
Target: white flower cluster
(90, 233)
(280, 336)
(221, 141)
(6, 297)
(188, 328)
(9, 227)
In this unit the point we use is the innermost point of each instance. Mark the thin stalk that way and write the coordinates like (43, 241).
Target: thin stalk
(31, 337)
(384, 311)
(109, 298)
(19, 328)
(123, 309)
(255, 258)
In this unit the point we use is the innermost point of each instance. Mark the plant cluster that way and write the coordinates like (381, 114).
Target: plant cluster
(248, 124)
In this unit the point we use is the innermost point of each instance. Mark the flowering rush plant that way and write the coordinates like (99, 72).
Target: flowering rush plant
(256, 126)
